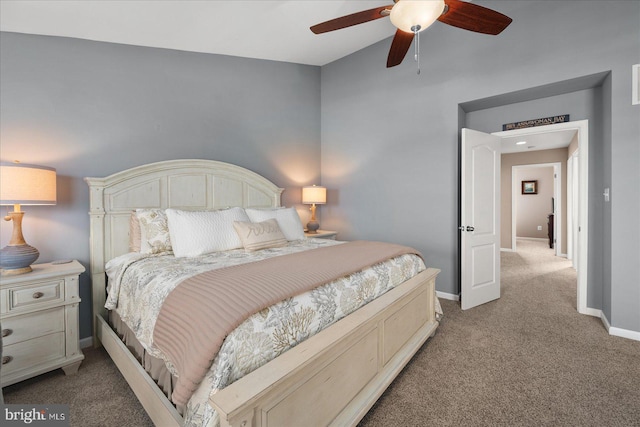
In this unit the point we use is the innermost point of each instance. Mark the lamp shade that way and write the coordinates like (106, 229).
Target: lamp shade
(314, 195)
(407, 14)
(22, 184)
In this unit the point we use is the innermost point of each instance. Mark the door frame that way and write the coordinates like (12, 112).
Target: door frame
(557, 194)
(572, 193)
(582, 128)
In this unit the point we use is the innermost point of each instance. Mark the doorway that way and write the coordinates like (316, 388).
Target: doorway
(540, 215)
(578, 219)
(484, 142)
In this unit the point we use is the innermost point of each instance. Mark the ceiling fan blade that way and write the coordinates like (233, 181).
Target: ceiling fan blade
(472, 17)
(350, 20)
(399, 47)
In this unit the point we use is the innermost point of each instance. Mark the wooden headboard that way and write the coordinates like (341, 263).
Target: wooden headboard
(181, 184)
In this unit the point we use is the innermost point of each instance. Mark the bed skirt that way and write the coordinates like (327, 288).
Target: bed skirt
(154, 366)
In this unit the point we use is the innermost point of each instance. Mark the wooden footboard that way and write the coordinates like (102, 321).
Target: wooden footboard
(336, 376)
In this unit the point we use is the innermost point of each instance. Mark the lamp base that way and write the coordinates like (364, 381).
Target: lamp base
(312, 227)
(17, 259)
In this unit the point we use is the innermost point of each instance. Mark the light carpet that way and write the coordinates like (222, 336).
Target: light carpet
(527, 359)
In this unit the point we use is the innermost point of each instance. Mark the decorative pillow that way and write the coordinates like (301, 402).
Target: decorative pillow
(154, 231)
(195, 233)
(134, 233)
(260, 235)
(288, 220)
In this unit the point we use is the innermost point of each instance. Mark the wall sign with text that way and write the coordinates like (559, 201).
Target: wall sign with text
(536, 122)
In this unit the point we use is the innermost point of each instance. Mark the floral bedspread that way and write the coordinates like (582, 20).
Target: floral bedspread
(138, 284)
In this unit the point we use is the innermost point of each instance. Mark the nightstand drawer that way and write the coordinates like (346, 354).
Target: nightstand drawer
(32, 296)
(39, 321)
(27, 326)
(30, 353)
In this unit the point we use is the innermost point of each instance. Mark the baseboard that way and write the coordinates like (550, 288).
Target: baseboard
(592, 312)
(619, 332)
(542, 239)
(86, 342)
(444, 295)
(624, 333)
(506, 250)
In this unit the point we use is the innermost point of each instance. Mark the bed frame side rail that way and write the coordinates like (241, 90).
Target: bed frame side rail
(158, 407)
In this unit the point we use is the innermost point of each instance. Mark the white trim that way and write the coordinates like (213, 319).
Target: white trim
(605, 321)
(506, 250)
(582, 126)
(86, 342)
(619, 332)
(635, 84)
(444, 295)
(624, 333)
(539, 239)
(593, 312)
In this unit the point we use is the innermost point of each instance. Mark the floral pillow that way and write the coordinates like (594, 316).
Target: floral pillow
(154, 231)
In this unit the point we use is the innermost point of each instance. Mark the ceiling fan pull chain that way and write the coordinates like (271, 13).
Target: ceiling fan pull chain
(416, 36)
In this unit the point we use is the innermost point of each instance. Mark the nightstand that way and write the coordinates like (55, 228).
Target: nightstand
(39, 317)
(322, 234)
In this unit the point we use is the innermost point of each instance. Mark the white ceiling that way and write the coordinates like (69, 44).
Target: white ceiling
(538, 141)
(274, 30)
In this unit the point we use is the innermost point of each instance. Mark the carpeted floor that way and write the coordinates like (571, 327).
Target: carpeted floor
(527, 359)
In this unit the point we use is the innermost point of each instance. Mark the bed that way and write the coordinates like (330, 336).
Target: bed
(332, 378)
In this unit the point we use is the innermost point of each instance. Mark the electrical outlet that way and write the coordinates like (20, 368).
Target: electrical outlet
(539, 228)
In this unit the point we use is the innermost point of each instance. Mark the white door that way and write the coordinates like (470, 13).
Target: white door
(480, 218)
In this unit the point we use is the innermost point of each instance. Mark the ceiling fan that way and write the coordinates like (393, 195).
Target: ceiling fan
(414, 16)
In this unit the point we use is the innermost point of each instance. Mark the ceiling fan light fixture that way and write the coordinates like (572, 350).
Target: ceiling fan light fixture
(407, 15)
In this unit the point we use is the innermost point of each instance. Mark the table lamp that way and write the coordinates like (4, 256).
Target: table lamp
(22, 184)
(314, 195)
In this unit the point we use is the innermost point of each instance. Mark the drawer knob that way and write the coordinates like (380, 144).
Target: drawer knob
(6, 359)
(6, 332)
(37, 295)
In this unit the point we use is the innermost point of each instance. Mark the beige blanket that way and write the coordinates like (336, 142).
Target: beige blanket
(201, 311)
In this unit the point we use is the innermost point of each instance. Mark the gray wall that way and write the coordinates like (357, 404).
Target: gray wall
(91, 109)
(390, 137)
(389, 141)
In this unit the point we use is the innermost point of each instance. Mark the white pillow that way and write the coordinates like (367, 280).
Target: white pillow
(288, 220)
(195, 233)
(260, 235)
(154, 231)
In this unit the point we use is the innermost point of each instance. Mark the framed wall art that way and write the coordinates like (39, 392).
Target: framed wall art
(529, 187)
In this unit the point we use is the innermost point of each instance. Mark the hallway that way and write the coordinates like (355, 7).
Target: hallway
(535, 267)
